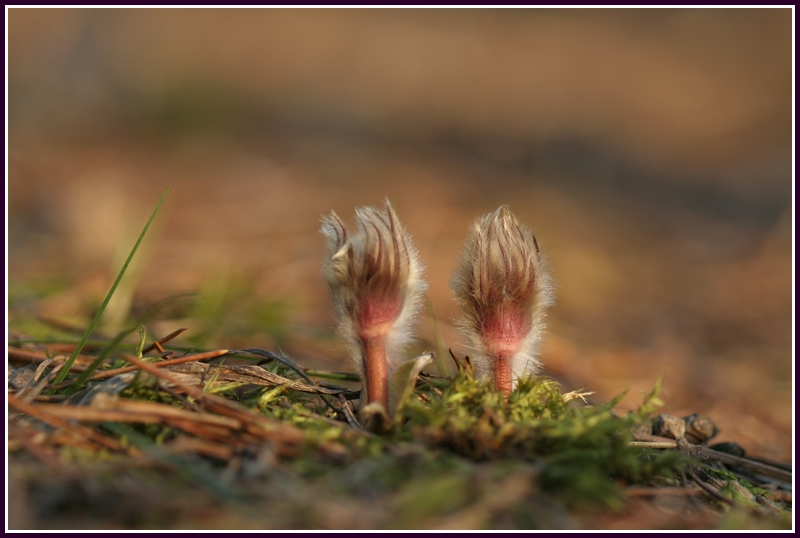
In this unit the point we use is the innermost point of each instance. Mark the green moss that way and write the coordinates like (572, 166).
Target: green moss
(584, 451)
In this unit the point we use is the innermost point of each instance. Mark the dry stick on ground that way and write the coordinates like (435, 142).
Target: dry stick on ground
(24, 438)
(36, 411)
(111, 409)
(160, 342)
(47, 441)
(50, 398)
(105, 374)
(286, 361)
(229, 373)
(349, 415)
(654, 444)
(763, 468)
(710, 490)
(193, 445)
(108, 409)
(255, 375)
(763, 502)
(231, 417)
(287, 439)
(36, 385)
(18, 356)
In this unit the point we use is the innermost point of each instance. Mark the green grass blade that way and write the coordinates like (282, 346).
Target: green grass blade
(142, 336)
(63, 373)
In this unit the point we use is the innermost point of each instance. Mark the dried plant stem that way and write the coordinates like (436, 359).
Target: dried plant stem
(763, 468)
(710, 490)
(24, 438)
(349, 416)
(287, 438)
(654, 444)
(34, 388)
(18, 356)
(180, 360)
(121, 410)
(37, 411)
(162, 341)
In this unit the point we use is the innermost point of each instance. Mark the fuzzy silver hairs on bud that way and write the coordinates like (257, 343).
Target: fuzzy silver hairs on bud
(375, 280)
(503, 288)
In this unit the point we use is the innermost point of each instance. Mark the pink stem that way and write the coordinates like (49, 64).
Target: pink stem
(375, 366)
(501, 371)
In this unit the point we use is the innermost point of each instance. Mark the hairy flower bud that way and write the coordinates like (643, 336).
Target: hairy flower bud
(502, 286)
(375, 279)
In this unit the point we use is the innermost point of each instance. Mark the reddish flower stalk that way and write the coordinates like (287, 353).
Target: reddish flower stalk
(374, 275)
(502, 286)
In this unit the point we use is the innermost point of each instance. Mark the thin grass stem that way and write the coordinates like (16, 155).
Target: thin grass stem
(103, 306)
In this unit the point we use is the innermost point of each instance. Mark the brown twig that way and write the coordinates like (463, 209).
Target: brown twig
(27, 440)
(654, 444)
(158, 343)
(120, 410)
(729, 459)
(288, 438)
(348, 414)
(105, 374)
(765, 503)
(50, 398)
(36, 386)
(255, 375)
(18, 356)
(183, 444)
(710, 490)
(36, 411)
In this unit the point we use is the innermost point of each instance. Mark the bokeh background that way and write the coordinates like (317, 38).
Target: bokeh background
(649, 150)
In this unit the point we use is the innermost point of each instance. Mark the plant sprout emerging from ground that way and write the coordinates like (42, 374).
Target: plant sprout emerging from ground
(460, 452)
(374, 274)
(502, 285)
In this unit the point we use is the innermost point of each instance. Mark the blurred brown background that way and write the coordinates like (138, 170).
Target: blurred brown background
(649, 150)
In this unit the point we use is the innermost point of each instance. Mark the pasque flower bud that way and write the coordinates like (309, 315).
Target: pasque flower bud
(375, 279)
(502, 286)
